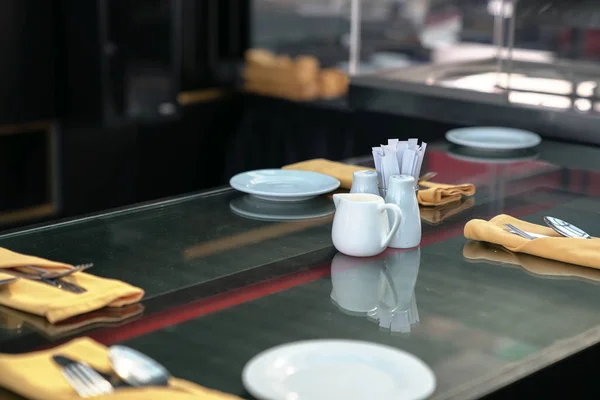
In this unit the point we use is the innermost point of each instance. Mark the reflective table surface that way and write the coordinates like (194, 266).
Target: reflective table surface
(221, 287)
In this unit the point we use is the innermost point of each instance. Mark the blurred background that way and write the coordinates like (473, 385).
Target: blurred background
(106, 103)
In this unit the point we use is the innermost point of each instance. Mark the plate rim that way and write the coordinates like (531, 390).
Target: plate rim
(534, 137)
(284, 195)
(260, 394)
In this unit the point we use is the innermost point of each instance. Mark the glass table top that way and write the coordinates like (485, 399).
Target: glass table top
(221, 288)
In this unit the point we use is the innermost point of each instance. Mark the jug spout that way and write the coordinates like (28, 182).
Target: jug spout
(338, 197)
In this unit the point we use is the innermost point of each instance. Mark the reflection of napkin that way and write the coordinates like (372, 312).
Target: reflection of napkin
(342, 172)
(585, 252)
(107, 316)
(435, 215)
(536, 265)
(437, 194)
(54, 303)
(36, 376)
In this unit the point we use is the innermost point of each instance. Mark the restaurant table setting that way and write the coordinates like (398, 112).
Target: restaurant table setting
(430, 194)
(540, 241)
(44, 288)
(56, 373)
(375, 209)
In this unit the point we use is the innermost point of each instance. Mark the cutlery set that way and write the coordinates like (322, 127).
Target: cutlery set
(131, 367)
(562, 227)
(50, 278)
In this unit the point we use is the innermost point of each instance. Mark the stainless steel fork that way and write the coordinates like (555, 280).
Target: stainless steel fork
(86, 381)
(519, 232)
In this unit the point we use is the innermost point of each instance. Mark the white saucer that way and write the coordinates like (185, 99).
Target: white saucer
(493, 138)
(284, 185)
(337, 369)
(249, 206)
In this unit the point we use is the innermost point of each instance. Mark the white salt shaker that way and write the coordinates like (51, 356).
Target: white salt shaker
(365, 181)
(401, 192)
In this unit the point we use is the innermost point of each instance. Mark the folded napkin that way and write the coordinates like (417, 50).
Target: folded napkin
(36, 376)
(437, 194)
(435, 215)
(584, 252)
(56, 304)
(478, 251)
(340, 171)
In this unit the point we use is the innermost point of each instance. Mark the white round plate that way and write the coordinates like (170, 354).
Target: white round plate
(254, 208)
(493, 138)
(283, 185)
(337, 369)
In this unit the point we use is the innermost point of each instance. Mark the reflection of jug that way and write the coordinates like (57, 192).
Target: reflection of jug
(360, 226)
(402, 269)
(382, 288)
(357, 286)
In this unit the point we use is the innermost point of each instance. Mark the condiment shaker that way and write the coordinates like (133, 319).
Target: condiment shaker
(401, 192)
(365, 181)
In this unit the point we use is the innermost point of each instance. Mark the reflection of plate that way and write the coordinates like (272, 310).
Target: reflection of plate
(255, 208)
(337, 369)
(493, 138)
(284, 185)
(504, 157)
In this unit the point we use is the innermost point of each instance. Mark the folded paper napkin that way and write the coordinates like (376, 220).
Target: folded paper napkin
(584, 252)
(56, 304)
(435, 215)
(437, 194)
(36, 376)
(340, 171)
(478, 251)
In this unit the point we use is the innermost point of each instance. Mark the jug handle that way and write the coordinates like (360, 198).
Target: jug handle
(397, 218)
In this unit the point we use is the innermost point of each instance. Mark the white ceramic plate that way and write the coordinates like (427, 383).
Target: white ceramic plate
(493, 138)
(283, 185)
(254, 208)
(337, 369)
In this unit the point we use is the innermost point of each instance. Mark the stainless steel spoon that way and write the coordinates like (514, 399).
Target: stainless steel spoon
(565, 229)
(136, 368)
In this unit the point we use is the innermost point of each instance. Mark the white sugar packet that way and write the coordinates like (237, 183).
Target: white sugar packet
(377, 155)
(390, 165)
(408, 161)
(420, 161)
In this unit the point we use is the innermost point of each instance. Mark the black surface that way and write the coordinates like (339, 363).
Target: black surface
(24, 170)
(27, 73)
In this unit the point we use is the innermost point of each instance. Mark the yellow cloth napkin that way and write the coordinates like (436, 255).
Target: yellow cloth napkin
(437, 194)
(435, 215)
(36, 376)
(56, 304)
(340, 171)
(584, 252)
(478, 251)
